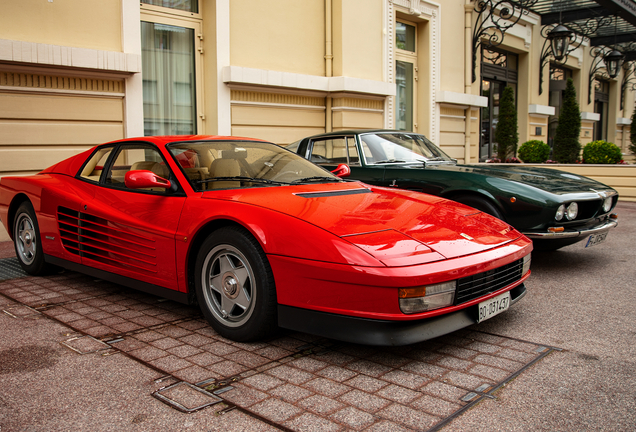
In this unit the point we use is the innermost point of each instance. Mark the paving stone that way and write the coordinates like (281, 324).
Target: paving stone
(148, 353)
(483, 347)
(454, 363)
(387, 426)
(312, 423)
(459, 352)
(170, 363)
(492, 373)
(262, 382)
(364, 401)
(389, 359)
(126, 327)
(405, 379)
(129, 344)
(335, 358)
(174, 331)
(192, 374)
(275, 410)
(184, 351)
(99, 331)
(243, 396)
(368, 368)
(146, 320)
(445, 391)
(219, 348)
(225, 369)
(290, 393)
(320, 404)
(309, 364)
(435, 406)
(398, 394)
(366, 383)
(291, 374)
(204, 359)
(353, 418)
(149, 336)
(326, 387)
(425, 369)
(248, 359)
(498, 362)
(272, 352)
(520, 356)
(337, 373)
(408, 417)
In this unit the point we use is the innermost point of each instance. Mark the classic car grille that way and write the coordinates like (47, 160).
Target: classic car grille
(472, 287)
(100, 240)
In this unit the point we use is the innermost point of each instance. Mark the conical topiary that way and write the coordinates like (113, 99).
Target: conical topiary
(632, 134)
(567, 146)
(506, 135)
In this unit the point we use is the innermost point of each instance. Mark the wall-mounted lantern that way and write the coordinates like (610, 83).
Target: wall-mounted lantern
(560, 37)
(613, 62)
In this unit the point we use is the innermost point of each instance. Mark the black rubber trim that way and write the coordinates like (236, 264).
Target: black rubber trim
(380, 332)
(333, 193)
(118, 279)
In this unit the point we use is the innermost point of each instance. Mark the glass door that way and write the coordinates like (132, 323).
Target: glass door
(489, 115)
(171, 76)
(405, 76)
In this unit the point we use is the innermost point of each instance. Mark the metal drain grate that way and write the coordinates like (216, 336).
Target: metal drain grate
(10, 269)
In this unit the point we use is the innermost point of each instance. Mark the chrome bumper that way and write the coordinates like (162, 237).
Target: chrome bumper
(605, 226)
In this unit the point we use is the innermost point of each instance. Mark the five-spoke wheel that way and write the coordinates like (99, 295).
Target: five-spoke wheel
(235, 286)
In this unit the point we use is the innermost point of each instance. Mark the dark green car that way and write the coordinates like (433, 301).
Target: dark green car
(553, 208)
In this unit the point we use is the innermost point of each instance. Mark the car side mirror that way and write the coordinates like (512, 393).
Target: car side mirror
(139, 179)
(342, 171)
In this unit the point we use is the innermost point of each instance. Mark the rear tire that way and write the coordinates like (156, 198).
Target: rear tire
(27, 242)
(480, 204)
(235, 286)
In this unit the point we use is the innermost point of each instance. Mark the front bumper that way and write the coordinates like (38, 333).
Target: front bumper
(381, 332)
(603, 227)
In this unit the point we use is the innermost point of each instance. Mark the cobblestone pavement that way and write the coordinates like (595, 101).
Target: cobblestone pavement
(295, 381)
(303, 383)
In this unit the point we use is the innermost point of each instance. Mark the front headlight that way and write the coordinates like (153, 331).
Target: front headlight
(572, 211)
(426, 298)
(607, 204)
(560, 212)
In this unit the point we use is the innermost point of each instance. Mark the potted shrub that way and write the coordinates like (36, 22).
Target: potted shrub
(566, 141)
(534, 151)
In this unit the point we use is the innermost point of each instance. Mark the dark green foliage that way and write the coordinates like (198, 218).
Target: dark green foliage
(632, 134)
(506, 135)
(534, 151)
(602, 152)
(566, 141)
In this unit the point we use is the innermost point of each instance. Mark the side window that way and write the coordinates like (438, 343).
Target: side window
(95, 165)
(335, 151)
(137, 157)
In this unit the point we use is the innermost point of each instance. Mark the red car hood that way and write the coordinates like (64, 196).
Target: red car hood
(396, 227)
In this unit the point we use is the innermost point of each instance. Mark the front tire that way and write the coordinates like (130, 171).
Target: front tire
(27, 242)
(235, 285)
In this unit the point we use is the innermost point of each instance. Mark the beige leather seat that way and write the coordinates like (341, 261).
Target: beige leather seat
(225, 168)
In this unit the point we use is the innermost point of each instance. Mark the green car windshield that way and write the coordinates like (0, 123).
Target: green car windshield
(240, 164)
(383, 148)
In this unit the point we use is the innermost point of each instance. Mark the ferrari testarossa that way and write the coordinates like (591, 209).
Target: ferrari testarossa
(261, 238)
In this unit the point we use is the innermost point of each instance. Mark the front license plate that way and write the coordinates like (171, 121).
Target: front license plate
(595, 239)
(494, 306)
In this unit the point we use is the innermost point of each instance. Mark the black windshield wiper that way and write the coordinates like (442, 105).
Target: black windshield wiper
(316, 179)
(388, 161)
(242, 178)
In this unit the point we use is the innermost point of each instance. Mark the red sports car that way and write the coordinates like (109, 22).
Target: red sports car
(261, 238)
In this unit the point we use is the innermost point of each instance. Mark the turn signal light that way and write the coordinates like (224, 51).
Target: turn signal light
(556, 229)
(613, 216)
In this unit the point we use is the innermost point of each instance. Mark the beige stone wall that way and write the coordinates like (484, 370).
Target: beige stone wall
(282, 35)
(95, 24)
(47, 118)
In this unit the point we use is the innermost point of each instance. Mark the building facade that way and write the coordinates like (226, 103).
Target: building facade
(75, 73)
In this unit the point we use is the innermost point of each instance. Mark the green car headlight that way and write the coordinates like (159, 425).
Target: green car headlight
(560, 212)
(607, 204)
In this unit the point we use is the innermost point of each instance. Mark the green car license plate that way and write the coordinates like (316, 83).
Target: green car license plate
(494, 306)
(595, 239)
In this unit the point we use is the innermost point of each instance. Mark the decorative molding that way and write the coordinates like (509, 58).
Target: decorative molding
(57, 55)
(449, 97)
(622, 121)
(275, 98)
(269, 78)
(430, 12)
(541, 110)
(48, 83)
(588, 116)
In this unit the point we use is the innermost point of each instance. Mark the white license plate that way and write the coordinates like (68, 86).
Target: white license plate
(494, 306)
(595, 239)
